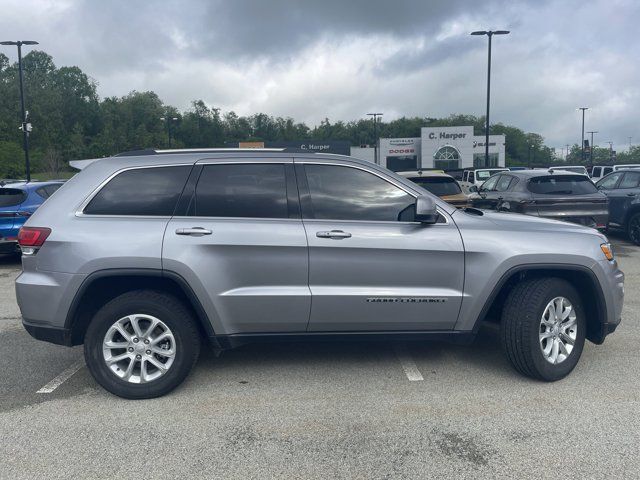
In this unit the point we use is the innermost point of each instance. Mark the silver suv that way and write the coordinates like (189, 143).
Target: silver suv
(140, 257)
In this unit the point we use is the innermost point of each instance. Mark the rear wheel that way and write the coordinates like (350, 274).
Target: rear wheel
(633, 228)
(543, 328)
(141, 344)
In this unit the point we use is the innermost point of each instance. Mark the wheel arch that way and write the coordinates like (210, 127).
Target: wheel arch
(103, 285)
(583, 278)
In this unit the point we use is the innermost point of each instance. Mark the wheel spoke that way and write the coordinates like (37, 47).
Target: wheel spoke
(161, 337)
(154, 323)
(122, 331)
(118, 358)
(547, 334)
(563, 349)
(566, 312)
(567, 338)
(162, 352)
(112, 344)
(571, 322)
(161, 366)
(554, 351)
(129, 371)
(136, 325)
(143, 371)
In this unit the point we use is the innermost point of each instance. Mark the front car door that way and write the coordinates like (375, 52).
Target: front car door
(239, 242)
(371, 267)
(624, 196)
(487, 196)
(608, 185)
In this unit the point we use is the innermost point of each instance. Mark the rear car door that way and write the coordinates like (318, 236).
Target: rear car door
(370, 266)
(238, 240)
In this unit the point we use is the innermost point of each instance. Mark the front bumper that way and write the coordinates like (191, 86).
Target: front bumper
(47, 333)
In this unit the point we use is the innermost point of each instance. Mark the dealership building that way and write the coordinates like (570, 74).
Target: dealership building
(445, 148)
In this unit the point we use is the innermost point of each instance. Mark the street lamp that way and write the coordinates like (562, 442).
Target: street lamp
(582, 146)
(375, 134)
(591, 148)
(25, 127)
(169, 120)
(489, 34)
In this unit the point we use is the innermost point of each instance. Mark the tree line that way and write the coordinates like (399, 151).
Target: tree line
(70, 121)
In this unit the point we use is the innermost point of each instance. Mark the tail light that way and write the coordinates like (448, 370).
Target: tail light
(32, 238)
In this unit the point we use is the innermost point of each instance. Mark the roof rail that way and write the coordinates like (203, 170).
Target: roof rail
(153, 151)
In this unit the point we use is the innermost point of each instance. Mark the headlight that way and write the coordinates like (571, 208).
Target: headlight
(606, 249)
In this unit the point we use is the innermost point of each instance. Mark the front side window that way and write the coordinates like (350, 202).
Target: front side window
(490, 185)
(562, 185)
(141, 191)
(251, 190)
(345, 193)
(609, 181)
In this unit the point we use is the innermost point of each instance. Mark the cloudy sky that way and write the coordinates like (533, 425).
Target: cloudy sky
(311, 59)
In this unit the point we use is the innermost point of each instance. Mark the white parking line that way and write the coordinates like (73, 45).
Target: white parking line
(63, 377)
(408, 365)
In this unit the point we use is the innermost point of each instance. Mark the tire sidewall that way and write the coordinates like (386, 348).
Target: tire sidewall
(174, 318)
(549, 371)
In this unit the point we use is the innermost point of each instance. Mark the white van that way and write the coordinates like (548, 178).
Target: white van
(477, 177)
(600, 171)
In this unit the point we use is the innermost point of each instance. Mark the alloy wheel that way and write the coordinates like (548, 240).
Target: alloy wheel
(558, 330)
(139, 348)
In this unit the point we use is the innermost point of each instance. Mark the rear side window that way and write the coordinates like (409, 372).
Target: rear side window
(242, 190)
(562, 185)
(48, 190)
(630, 180)
(142, 191)
(504, 183)
(10, 197)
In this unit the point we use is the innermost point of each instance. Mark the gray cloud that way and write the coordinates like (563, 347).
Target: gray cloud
(311, 59)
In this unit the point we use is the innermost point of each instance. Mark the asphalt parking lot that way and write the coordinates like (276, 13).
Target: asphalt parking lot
(341, 410)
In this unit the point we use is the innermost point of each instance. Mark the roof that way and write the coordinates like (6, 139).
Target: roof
(542, 173)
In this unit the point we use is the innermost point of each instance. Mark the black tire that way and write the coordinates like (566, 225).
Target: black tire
(166, 308)
(633, 228)
(520, 327)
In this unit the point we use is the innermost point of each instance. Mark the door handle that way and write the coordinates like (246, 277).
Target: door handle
(194, 231)
(335, 234)
(631, 194)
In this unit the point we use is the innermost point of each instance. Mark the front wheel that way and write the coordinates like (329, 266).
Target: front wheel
(142, 344)
(633, 228)
(543, 328)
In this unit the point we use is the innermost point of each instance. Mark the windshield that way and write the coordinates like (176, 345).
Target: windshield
(438, 185)
(562, 185)
(484, 174)
(10, 197)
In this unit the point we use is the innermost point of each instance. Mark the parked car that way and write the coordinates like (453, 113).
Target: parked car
(569, 168)
(600, 171)
(476, 177)
(622, 188)
(439, 183)
(18, 201)
(564, 196)
(140, 257)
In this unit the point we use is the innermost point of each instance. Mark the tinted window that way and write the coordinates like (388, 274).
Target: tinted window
(438, 185)
(562, 185)
(607, 170)
(609, 181)
(10, 197)
(242, 190)
(143, 191)
(344, 193)
(503, 183)
(596, 171)
(43, 192)
(490, 184)
(630, 180)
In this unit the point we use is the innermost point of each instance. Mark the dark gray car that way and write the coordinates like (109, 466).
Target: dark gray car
(141, 257)
(559, 195)
(623, 190)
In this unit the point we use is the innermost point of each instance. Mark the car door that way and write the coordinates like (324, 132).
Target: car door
(487, 196)
(371, 267)
(608, 185)
(623, 197)
(238, 240)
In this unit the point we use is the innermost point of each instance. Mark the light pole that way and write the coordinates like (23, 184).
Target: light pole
(610, 152)
(375, 134)
(591, 148)
(489, 34)
(582, 144)
(25, 127)
(169, 120)
(567, 155)
(629, 142)
(529, 161)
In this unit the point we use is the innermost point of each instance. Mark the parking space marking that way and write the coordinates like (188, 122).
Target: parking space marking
(407, 363)
(63, 377)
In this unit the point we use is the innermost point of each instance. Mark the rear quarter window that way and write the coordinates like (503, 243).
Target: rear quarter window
(10, 197)
(562, 185)
(141, 191)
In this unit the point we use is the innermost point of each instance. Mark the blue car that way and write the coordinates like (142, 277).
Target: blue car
(18, 201)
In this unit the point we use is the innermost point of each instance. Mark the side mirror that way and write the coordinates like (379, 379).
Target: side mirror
(473, 189)
(426, 211)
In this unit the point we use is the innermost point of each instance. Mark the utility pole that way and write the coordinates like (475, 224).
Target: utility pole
(610, 152)
(375, 135)
(591, 148)
(26, 126)
(582, 144)
(567, 155)
(489, 34)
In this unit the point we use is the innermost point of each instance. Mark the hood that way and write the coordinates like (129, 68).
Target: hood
(518, 222)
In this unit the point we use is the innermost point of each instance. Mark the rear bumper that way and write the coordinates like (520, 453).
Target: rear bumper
(47, 333)
(8, 246)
